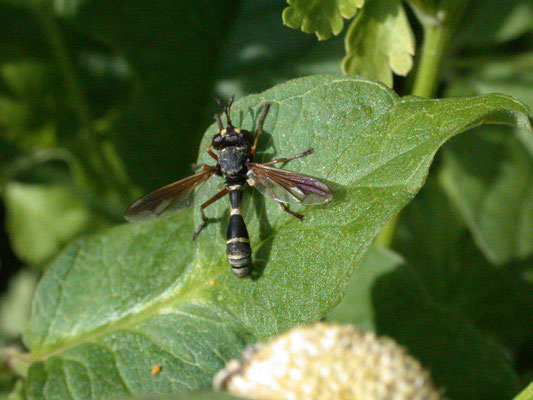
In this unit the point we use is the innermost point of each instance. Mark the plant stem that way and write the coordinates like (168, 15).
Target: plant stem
(437, 34)
(90, 150)
(437, 37)
(435, 41)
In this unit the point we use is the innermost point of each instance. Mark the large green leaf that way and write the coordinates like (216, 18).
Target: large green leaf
(388, 296)
(512, 74)
(436, 244)
(115, 304)
(489, 175)
(526, 394)
(356, 307)
(323, 17)
(210, 395)
(380, 42)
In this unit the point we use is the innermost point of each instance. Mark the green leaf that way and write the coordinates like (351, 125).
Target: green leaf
(15, 303)
(113, 305)
(388, 296)
(488, 175)
(526, 394)
(512, 75)
(356, 306)
(436, 244)
(40, 219)
(322, 17)
(379, 42)
(210, 395)
(203, 394)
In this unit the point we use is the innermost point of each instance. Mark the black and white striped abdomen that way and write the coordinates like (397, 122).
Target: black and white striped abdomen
(238, 243)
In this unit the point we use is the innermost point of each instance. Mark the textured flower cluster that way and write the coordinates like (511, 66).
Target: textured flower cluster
(326, 361)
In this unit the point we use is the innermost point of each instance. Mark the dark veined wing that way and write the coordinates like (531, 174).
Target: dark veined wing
(287, 186)
(173, 197)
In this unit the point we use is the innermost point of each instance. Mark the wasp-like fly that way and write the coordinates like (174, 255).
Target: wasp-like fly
(236, 150)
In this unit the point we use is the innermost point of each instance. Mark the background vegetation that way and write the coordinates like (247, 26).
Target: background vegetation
(102, 101)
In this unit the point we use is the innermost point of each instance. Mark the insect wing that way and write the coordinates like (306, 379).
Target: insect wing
(287, 186)
(173, 197)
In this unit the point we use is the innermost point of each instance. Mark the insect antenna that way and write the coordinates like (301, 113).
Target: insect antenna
(226, 109)
(219, 122)
(220, 104)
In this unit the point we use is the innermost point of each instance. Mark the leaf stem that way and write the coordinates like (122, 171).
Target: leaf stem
(437, 34)
(435, 44)
(90, 150)
(426, 82)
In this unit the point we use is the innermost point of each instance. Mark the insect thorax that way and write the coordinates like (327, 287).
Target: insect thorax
(232, 162)
(233, 146)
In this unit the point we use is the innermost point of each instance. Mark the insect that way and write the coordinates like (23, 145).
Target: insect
(236, 149)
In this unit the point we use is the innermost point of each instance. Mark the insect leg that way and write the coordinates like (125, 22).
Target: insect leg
(210, 152)
(295, 214)
(216, 197)
(285, 208)
(259, 129)
(205, 167)
(286, 159)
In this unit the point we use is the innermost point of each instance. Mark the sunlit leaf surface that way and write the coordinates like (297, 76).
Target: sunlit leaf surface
(114, 305)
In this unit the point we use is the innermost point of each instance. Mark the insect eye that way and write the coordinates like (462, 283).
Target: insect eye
(217, 141)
